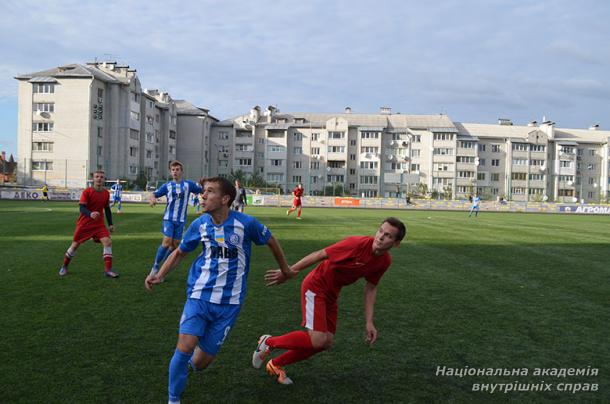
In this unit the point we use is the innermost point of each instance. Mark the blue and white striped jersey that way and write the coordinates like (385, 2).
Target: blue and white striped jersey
(116, 190)
(177, 194)
(220, 273)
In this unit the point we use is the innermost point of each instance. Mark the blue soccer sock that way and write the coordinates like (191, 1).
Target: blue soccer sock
(178, 374)
(161, 254)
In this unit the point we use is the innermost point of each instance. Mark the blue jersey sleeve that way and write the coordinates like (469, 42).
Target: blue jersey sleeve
(163, 189)
(257, 232)
(191, 238)
(195, 187)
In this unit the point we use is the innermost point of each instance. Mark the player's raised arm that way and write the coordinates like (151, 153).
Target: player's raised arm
(277, 276)
(170, 263)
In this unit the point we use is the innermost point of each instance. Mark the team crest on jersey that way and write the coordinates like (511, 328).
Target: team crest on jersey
(234, 239)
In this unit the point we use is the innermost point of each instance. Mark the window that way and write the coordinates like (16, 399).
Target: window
(149, 119)
(261, 140)
(567, 149)
(313, 179)
(133, 170)
(443, 167)
(467, 145)
(315, 136)
(536, 177)
(135, 97)
(399, 166)
(315, 150)
(481, 176)
(336, 149)
(172, 149)
(368, 165)
(42, 126)
(495, 162)
(42, 146)
(465, 159)
(38, 165)
(416, 138)
(44, 88)
(276, 162)
(223, 135)
(352, 185)
(518, 190)
(352, 171)
(443, 151)
(369, 135)
(336, 164)
(275, 133)
(100, 93)
(275, 177)
(369, 193)
(149, 136)
(566, 178)
(520, 146)
(465, 174)
(519, 176)
(335, 178)
(352, 157)
(481, 147)
(243, 147)
(495, 148)
(172, 134)
(537, 147)
(336, 135)
(369, 149)
(368, 179)
(565, 164)
(443, 136)
(415, 167)
(296, 178)
(297, 150)
(244, 162)
(148, 154)
(519, 162)
(536, 162)
(134, 115)
(415, 153)
(591, 152)
(133, 134)
(44, 107)
(157, 115)
(481, 162)
(590, 166)
(314, 165)
(133, 151)
(591, 181)
(495, 177)
(297, 136)
(352, 142)
(275, 148)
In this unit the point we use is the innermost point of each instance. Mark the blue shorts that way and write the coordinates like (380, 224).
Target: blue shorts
(117, 199)
(210, 322)
(172, 229)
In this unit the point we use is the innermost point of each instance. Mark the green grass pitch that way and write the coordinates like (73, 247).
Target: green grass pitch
(499, 291)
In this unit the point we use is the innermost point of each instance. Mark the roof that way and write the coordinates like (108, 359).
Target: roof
(74, 70)
(184, 107)
(514, 131)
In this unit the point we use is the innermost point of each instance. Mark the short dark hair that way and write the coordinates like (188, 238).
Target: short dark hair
(394, 222)
(225, 187)
(98, 171)
(176, 163)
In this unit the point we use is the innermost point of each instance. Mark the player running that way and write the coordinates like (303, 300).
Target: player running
(90, 224)
(117, 195)
(177, 193)
(216, 285)
(341, 264)
(297, 192)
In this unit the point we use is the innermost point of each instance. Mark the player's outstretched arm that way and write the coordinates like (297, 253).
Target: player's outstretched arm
(152, 200)
(276, 276)
(370, 294)
(280, 258)
(170, 263)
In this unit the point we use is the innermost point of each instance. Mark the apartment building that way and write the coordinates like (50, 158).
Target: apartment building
(76, 118)
(388, 155)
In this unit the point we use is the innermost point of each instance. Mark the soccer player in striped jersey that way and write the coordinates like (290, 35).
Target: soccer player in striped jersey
(216, 285)
(341, 264)
(90, 224)
(117, 195)
(177, 193)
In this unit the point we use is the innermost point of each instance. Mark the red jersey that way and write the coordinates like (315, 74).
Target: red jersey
(349, 260)
(298, 192)
(95, 201)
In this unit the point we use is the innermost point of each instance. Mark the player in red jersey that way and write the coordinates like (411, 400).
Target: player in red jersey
(296, 203)
(342, 264)
(90, 224)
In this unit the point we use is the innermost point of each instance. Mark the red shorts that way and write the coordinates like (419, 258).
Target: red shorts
(85, 232)
(319, 311)
(296, 202)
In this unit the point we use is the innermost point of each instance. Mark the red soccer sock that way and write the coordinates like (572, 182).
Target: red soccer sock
(294, 355)
(67, 259)
(107, 262)
(299, 213)
(292, 340)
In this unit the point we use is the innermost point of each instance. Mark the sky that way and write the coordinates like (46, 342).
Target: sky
(475, 61)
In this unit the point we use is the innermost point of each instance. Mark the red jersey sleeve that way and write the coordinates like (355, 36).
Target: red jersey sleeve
(84, 197)
(375, 277)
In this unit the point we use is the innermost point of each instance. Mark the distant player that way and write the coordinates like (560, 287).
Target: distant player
(216, 285)
(297, 193)
(45, 193)
(117, 195)
(90, 224)
(177, 193)
(240, 198)
(341, 264)
(475, 206)
(196, 203)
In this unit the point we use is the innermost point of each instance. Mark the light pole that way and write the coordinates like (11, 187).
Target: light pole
(595, 197)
